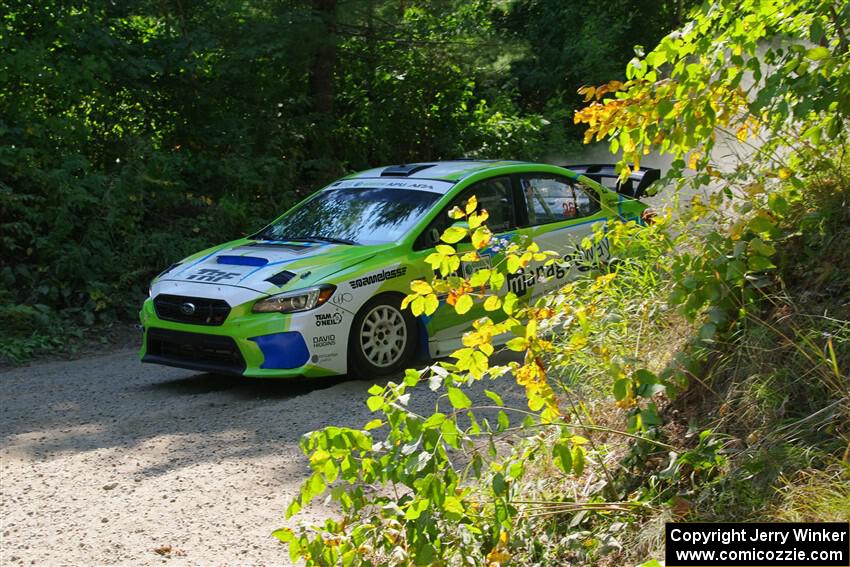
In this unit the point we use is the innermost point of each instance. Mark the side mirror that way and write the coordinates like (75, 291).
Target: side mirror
(434, 233)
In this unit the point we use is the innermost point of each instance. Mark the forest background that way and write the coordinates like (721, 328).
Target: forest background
(135, 133)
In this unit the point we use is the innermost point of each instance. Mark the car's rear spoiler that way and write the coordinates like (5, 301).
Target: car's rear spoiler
(634, 187)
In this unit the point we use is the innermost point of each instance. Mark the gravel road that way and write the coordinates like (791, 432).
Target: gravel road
(106, 460)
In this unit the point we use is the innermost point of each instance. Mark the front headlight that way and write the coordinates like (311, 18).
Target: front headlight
(295, 301)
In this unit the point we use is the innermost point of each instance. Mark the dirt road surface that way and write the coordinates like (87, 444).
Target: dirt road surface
(106, 460)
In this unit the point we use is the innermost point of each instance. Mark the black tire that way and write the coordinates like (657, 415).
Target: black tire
(385, 352)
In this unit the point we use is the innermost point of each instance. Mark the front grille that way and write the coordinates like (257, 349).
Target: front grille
(210, 353)
(193, 310)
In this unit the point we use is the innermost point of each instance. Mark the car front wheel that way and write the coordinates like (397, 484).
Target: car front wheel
(383, 338)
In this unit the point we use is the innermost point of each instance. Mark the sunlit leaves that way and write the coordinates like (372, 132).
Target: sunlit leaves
(480, 277)
(454, 234)
(456, 213)
(698, 88)
(478, 219)
(818, 53)
(563, 457)
(481, 238)
(420, 287)
(492, 303)
(423, 300)
(458, 398)
(464, 304)
(471, 360)
(497, 399)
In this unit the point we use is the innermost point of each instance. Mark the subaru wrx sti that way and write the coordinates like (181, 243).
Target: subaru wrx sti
(318, 291)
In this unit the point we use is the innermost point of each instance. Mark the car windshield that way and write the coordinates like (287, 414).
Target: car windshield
(353, 216)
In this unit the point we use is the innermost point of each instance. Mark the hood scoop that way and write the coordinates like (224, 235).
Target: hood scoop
(242, 261)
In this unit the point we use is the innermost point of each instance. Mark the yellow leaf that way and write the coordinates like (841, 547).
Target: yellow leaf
(472, 339)
(510, 301)
(497, 557)
(417, 306)
(693, 160)
(445, 249)
(471, 205)
(476, 220)
(480, 277)
(454, 234)
(784, 173)
(481, 237)
(455, 213)
(420, 287)
(431, 304)
(497, 280)
(434, 259)
(492, 303)
(754, 189)
(464, 303)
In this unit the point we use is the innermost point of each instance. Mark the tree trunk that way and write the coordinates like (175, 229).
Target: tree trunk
(324, 62)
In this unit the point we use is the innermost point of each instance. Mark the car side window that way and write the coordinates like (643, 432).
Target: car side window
(495, 195)
(555, 199)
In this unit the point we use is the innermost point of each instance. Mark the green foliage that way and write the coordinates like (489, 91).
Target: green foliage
(710, 315)
(559, 45)
(724, 73)
(436, 509)
(132, 134)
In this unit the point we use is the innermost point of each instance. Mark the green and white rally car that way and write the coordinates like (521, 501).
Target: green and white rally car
(318, 291)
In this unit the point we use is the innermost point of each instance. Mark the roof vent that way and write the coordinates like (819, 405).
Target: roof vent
(405, 170)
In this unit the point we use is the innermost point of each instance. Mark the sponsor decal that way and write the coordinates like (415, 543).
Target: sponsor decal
(324, 341)
(469, 268)
(379, 277)
(416, 184)
(524, 279)
(212, 275)
(340, 298)
(323, 319)
(580, 258)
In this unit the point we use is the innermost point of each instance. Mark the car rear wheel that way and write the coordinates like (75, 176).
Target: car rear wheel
(383, 338)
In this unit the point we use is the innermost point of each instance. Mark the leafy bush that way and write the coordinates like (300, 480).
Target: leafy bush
(709, 316)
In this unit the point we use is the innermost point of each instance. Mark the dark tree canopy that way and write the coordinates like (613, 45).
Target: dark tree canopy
(132, 133)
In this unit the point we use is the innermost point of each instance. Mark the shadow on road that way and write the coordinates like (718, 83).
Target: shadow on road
(164, 419)
(242, 387)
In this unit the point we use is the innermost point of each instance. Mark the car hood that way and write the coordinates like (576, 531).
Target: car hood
(268, 267)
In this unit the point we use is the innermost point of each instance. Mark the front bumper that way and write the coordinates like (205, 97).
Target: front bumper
(269, 345)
